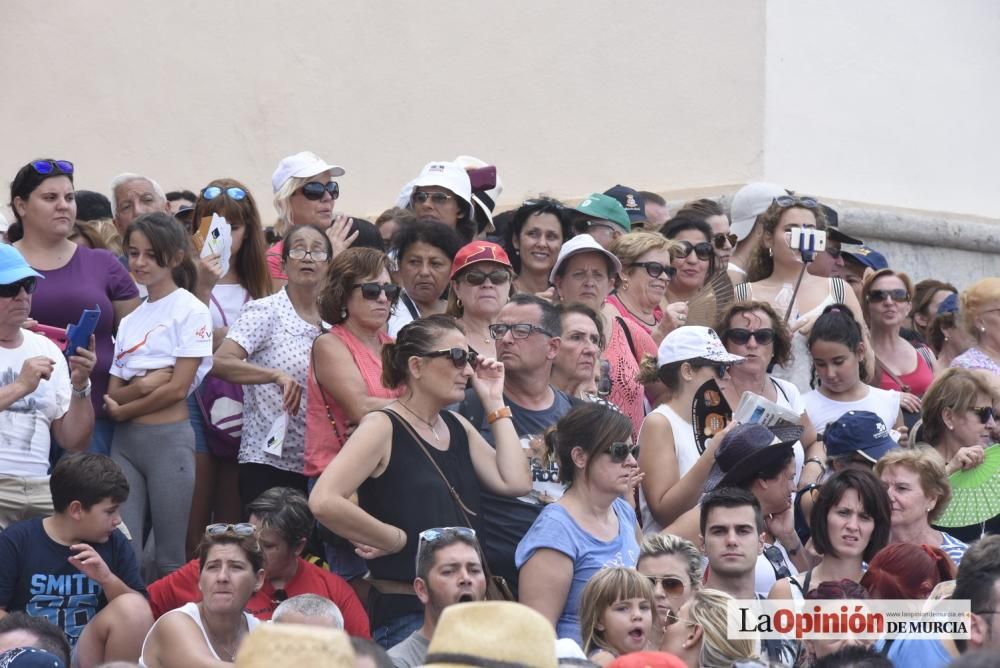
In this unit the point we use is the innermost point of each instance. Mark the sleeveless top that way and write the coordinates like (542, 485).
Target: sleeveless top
(192, 611)
(626, 347)
(323, 442)
(687, 454)
(822, 410)
(915, 382)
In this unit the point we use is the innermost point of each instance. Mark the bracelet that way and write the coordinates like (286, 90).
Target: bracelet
(402, 540)
(817, 461)
(499, 414)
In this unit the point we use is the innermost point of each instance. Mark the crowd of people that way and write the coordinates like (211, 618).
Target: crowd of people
(375, 427)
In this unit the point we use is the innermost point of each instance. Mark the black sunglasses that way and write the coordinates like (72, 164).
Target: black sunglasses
(656, 269)
(897, 295)
(742, 336)
(720, 240)
(371, 291)
(721, 368)
(476, 277)
(703, 250)
(46, 167)
(458, 356)
(984, 413)
(420, 196)
(521, 330)
(619, 451)
(786, 201)
(314, 190)
(11, 290)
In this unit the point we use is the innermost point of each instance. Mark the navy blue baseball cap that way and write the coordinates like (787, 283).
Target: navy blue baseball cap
(833, 230)
(949, 304)
(860, 432)
(29, 657)
(869, 257)
(629, 198)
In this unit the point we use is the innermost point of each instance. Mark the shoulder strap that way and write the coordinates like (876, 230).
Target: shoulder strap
(837, 289)
(222, 311)
(927, 354)
(805, 583)
(778, 387)
(628, 337)
(881, 368)
(322, 392)
(410, 306)
(742, 292)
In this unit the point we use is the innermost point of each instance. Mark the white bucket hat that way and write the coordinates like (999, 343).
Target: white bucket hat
(444, 175)
(582, 243)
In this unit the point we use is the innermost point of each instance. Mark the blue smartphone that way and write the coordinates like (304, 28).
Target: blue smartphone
(78, 335)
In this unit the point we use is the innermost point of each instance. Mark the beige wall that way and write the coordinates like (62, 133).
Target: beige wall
(566, 97)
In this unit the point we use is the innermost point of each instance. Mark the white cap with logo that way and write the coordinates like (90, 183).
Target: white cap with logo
(300, 165)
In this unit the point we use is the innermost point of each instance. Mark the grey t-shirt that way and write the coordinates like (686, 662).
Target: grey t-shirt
(411, 652)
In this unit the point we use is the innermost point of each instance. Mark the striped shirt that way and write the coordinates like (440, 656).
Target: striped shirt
(953, 547)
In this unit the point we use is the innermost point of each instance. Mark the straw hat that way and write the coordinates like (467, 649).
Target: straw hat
(492, 633)
(276, 645)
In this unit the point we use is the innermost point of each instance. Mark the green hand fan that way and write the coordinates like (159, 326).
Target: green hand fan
(975, 493)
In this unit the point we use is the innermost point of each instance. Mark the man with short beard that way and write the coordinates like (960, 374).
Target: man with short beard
(449, 571)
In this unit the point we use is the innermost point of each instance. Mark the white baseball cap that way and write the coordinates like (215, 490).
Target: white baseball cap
(444, 175)
(302, 164)
(691, 341)
(582, 243)
(749, 202)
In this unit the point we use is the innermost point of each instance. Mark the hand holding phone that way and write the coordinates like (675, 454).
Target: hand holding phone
(78, 335)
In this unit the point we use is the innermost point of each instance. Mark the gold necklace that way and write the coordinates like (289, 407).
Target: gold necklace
(414, 414)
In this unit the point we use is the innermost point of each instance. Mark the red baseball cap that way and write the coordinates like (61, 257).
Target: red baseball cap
(479, 251)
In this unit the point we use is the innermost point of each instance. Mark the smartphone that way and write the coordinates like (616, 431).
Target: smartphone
(483, 178)
(604, 383)
(78, 335)
(807, 239)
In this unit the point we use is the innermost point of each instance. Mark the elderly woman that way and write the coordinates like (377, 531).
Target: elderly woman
(980, 312)
(590, 525)
(481, 284)
(575, 368)
(958, 418)
(642, 284)
(442, 192)
(723, 238)
(424, 252)
(699, 635)
(774, 271)
(694, 260)
(76, 278)
(416, 449)
(535, 235)
(919, 492)
(210, 631)
(673, 566)
(267, 351)
(584, 273)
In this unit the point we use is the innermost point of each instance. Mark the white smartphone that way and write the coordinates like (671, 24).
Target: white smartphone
(808, 238)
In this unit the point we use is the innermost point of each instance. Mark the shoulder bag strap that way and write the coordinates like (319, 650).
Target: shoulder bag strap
(838, 288)
(222, 311)
(322, 393)
(628, 337)
(880, 368)
(778, 387)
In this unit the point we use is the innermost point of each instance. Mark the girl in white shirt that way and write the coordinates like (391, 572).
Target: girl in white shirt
(162, 352)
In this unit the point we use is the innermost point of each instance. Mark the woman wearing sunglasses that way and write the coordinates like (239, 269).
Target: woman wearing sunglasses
(698, 635)
(694, 260)
(590, 526)
(225, 290)
(416, 450)
(44, 205)
(642, 284)
(723, 238)
(535, 235)
(775, 268)
(267, 351)
(673, 566)
(481, 284)
(442, 192)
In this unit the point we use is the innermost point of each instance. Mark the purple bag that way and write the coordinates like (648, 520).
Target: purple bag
(221, 404)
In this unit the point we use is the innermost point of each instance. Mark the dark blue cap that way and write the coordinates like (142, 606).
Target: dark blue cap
(832, 231)
(869, 257)
(29, 657)
(629, 198)
(949, 305)
(860, 432)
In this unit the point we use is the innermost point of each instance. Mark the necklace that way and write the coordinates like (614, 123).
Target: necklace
(220, 649)
(429, 424)
(636, 315)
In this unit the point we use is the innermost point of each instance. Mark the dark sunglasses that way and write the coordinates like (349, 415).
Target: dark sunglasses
(833, 251)
(458, 356)
(619, 451)
(897, 295)
(984, 413)
(720, 240)
(420, 197)
(11, 290)
(721, 368)
(46, 167)
(371, 291)
(544, 205)
(241, 529)
(432, 535)
(520, 330)
(656, 269)
(742, 336)
(777, 560)
(703, 250)
(786, 201)
(475, 277)
(671, 585)
(235, 193)
(314, 190)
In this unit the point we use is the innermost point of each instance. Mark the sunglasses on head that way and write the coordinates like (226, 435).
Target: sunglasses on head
(786, 201)
(671, 586)
(241, 529)
(521, 330)
(896, 294)
(11, 290)
(702, 250)
(46, 167)
(720, 239)
(432, 535)
(314, 190)
(211, 192)
(984, 413)
(619, 451)
(544, 205)
(420, 196)
(496, 277)
(458, 356)
(656, 269)
(371, 291)
(741, 336)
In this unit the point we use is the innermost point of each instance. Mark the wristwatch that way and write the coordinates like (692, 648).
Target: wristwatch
(82, 393)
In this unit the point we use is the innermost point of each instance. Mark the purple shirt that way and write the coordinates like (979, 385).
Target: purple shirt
(90, 277)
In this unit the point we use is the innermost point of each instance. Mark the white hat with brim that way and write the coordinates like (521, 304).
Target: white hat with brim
(442, 174)
(582, 243)
(749, 202)
(302, 165)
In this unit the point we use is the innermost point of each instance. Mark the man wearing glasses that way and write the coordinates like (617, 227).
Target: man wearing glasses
(602, 217)
(978, 581)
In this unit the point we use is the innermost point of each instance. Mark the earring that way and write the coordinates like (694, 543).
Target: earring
(624, 286)
(982, 329)
(458, 302)
(770, 252)
(343, 313)
(930, 509)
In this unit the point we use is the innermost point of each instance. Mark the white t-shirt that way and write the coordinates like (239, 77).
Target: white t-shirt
(822, 410)
(25, 425)
(231, 297)
(156, 333)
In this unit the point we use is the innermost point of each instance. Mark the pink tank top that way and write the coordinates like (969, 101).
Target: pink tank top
(916, 382)
(323, 439)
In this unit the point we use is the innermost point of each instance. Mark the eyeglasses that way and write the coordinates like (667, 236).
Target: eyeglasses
(619, 451)
(521, 330)
(302, 253)
(673, 619)
(211, 192)
(720, 239)
(475, 277)
(984, 413)
(656, 269)
(671, 586)
(46, 167)
(458, 356)
(421, 196)
(702, 250)
(432, 535)
(314, 190)
(11, 290)
(741, 336)
(786, 201)
(896, 294)
(371, 291)
(241, 529)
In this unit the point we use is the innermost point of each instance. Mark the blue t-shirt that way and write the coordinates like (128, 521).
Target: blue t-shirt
(916, 652)
(36, 576)
(556, 530)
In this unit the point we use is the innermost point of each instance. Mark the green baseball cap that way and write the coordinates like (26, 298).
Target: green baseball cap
(605, 207)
